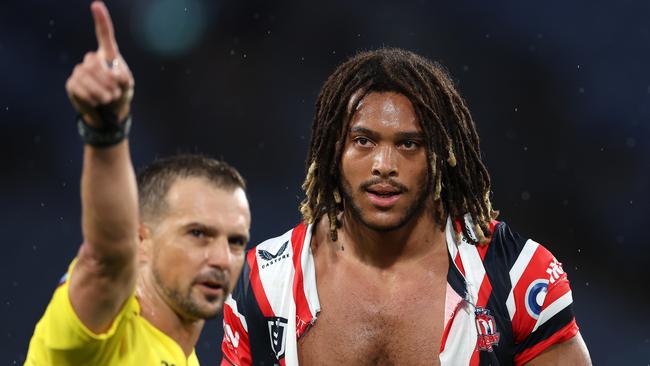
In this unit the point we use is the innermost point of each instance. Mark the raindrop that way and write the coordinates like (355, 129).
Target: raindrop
(540, 36)
(465, 67)
(579, 250)
(587, 284)
(232, 52)
(186, 10)
(487, 35)
(525, 148)
(42, 204)
(516, 109)
(565, 202)
(578, 66)
(581, 90)
(51, 22)
(630, 142)
(49, 36)
(525, 195)
(6, 108)
(244, 56)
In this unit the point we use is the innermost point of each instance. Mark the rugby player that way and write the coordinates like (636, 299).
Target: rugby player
(399, 259)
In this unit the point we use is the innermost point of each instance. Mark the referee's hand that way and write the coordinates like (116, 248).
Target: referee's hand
(103, 79)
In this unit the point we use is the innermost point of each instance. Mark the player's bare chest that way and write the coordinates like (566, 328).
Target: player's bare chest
(377, 321)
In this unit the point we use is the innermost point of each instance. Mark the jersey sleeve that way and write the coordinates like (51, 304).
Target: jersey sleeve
(540, 303)
(235, 346)
(60, 337)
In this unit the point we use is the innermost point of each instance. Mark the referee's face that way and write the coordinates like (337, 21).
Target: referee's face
(198, 246)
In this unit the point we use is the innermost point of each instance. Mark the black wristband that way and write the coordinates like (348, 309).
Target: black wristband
(109, 134)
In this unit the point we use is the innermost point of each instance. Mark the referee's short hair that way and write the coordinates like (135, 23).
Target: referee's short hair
(155, 179)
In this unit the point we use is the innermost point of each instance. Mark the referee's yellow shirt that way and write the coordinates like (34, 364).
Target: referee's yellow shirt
(61, 339)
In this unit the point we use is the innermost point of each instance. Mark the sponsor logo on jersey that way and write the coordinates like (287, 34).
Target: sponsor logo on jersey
(271, 258)
(555, 271)
(277, 333)
(535, 295)
(487, 330)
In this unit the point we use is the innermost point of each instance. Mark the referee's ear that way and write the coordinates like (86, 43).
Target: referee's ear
(145, 243)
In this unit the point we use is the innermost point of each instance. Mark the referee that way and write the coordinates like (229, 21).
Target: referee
(160, 254)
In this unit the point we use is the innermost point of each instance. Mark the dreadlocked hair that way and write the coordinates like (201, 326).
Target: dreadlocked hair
(459, 180)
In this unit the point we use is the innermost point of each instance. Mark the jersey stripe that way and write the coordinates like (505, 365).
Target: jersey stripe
(554, 308)
(460, 342)
(517, 270)
(235, 342)
(232, 306)
(303, 314)
(567, 332)
(256, 284)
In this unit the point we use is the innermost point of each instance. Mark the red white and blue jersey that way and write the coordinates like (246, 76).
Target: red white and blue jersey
(506, 302)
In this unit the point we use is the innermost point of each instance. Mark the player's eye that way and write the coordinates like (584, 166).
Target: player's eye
(362, 141)
(410, 145)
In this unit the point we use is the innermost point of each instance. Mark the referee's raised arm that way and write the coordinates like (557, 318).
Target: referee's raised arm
(101, 89)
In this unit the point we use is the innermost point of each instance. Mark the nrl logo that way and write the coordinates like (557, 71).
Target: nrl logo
(273, 258)
(277, 332)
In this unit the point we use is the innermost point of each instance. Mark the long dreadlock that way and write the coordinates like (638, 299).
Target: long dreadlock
(460, 181)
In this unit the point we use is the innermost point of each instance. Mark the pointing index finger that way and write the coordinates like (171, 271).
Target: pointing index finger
(104, 30)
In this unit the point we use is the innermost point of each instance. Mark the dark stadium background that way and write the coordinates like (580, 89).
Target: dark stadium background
(560, 92)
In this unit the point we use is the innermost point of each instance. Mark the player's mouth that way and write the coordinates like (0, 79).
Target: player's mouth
(383, 196)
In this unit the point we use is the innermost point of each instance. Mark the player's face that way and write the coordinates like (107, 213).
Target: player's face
(198, 246)
(384, 163)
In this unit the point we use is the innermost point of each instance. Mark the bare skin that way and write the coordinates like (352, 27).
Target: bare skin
(195, 249)
(391, 315)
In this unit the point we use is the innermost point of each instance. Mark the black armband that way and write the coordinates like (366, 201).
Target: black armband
(109, 134)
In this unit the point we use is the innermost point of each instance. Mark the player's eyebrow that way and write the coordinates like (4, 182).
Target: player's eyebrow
(363, 131)
(402, 135)
(410, 135)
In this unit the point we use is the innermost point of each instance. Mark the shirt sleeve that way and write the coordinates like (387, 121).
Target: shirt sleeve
(543, 303)
(60, 336)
